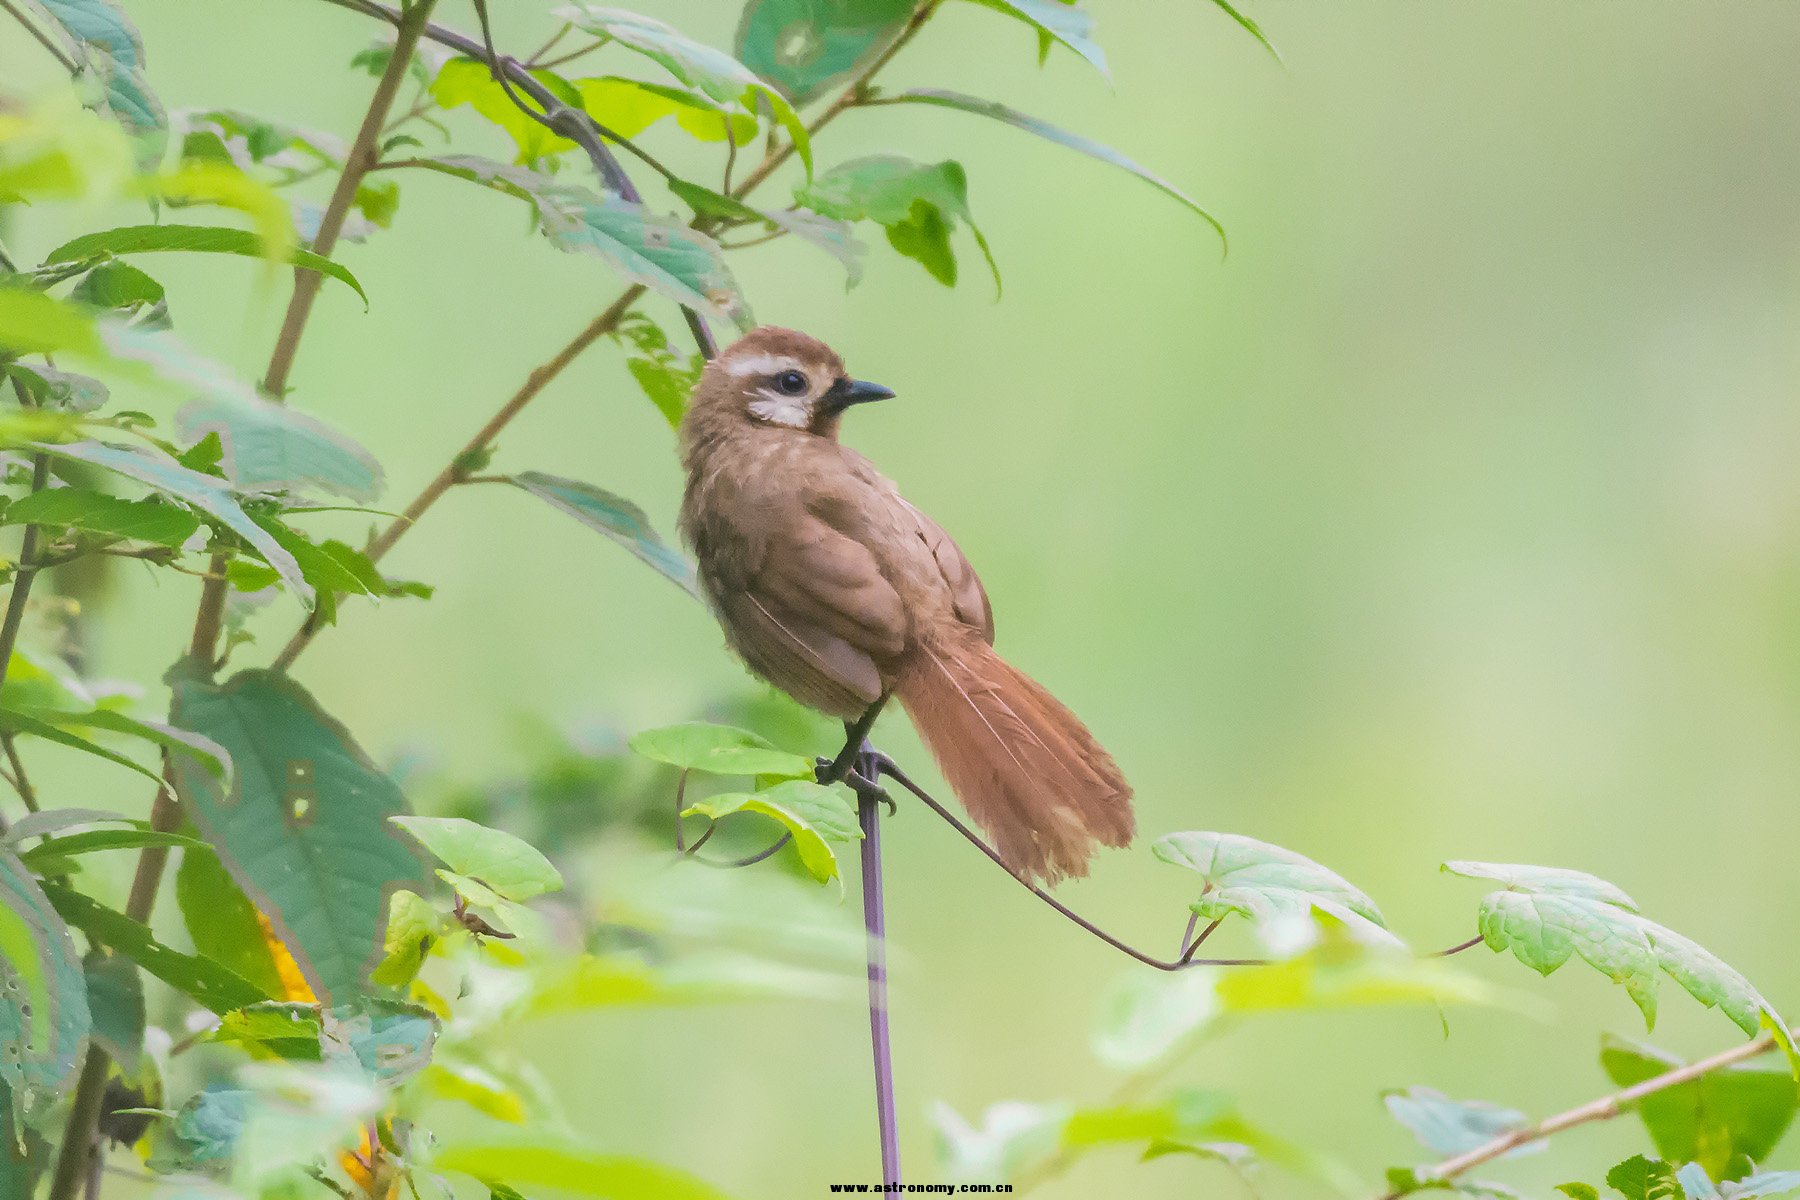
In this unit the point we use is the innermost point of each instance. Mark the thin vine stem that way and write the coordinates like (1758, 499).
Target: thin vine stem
(1603, 1109)
(43, 39)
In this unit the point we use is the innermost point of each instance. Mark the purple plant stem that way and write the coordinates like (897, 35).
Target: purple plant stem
(868, 813)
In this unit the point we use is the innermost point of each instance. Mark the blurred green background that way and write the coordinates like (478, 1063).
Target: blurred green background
(1455, 514)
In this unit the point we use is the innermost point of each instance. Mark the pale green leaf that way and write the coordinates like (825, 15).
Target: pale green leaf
(1060, 20)
(812, 813)
(806, 47)
(510, 866)
(272, 447)
(719, 750)
(614, 516)
(1449, 1127)
(200, 239)
(44, 1014)
(539, 1162)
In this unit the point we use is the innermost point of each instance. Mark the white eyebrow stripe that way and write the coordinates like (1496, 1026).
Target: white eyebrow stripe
(760, 364)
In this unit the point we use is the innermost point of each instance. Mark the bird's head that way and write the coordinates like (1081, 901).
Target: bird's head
(783, 379)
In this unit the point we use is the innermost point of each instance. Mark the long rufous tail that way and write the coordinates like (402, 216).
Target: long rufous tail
(1025, 767)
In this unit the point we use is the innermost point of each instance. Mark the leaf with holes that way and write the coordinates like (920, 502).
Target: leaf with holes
(1056, 20)
(304, 829)
(511, 867)
(271, 447)
(614, 516)
(1450, 1127)
(1270, 886)
(719, 750)
(1547, 915)
(711, 72)
(814, 814)
(195, 239)
(1743, 1109)
(1062, 137)
(193, 975)
(204, 492)
(806, 47)
(44, 1013)
(917, 203)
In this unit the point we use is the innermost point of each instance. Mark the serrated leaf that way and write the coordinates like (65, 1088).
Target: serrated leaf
(719, 750)
(699, 66)
(1062, 137)
(1059, 20)
(806, 47)
(147, 520)
(1270, 886)
(512, 867)
(193, 975)
(271, 447)
(44, 1013)
(196, 239)
(1743, 1109)
(113, 52)
(917, 203)
(1640, 1178)
(304, 829)
(205, 493)
(614, 516)
(659, 252)
(538, 1161)
(1548, 915)
(1450, 1127)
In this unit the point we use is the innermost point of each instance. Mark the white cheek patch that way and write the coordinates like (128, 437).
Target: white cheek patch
(760, 364)
(792, 411)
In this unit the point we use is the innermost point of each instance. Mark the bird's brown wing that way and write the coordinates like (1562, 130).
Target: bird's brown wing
(817, 618)
(966, 593)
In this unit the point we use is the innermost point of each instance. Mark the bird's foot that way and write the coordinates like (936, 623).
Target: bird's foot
(863, 776)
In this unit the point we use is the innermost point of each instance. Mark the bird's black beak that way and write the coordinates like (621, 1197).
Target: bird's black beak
(846, 392)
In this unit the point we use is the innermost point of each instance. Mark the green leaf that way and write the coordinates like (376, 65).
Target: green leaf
(811, 812)
(271, 447)
(1324, 979)
(659, 252)
(1545, 916)
(60, 389)
(1249, 26)
(114, 54)
(1450, 1127)
(304, 829)
(122, 288)
(1269, 886)
(413, 927)
(528, 1161)
(1640, 1178)
(1743, 1109)
(616, 980)
(18, 722)
(205, 493)
(147, 520)
(806, 47)
(53, 850)
(627, 107)
(116, 1000)
(667, 378)
(701, 67)
(44, 1013)
(1579, 1191)
(286, 1028)
(719, 750)
(224, 925)
(208, 754)
(614, 516)
(193, 975)
(1145, 1015)
(917, 203)
(511, 867)
(1062, 137)
(1058, 20)
(33, 323)
(468, 81)
(195, 239)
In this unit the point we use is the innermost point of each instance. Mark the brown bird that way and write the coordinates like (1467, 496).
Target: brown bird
(837, 591)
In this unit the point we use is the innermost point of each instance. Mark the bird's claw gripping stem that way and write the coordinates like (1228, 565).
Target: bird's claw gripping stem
(863, 774)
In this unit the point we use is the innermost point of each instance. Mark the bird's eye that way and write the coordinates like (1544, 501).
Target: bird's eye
(791, 383)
